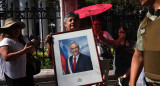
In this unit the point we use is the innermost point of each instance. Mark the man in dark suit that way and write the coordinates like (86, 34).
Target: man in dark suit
(78, 62)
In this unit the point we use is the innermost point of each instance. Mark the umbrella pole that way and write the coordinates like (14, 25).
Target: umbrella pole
(91, 19)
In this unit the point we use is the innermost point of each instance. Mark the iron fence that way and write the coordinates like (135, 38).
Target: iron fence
(36, 12)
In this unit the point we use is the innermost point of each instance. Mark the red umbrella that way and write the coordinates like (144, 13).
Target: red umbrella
(92, 10)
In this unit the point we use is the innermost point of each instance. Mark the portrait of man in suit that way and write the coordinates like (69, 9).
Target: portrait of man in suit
(76, 58)
(78, 62)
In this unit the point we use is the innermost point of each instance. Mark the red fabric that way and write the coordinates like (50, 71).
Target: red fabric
(63, 62)
(74, 63)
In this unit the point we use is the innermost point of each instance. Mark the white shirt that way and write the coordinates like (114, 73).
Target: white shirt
(15, 68)
(76, 58)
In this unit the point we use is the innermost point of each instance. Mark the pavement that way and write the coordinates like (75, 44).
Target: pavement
(46, 78)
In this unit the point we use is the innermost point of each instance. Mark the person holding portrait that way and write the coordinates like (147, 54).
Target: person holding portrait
(71, 22)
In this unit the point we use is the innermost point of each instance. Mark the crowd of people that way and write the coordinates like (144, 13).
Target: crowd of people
(129, 58)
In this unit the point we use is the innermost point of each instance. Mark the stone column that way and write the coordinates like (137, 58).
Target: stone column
(27, 31)
(62, 15)
(1, 9)
(58, 21)
(43, 23)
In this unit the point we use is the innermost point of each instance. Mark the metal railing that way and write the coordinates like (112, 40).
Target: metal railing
(38, 14)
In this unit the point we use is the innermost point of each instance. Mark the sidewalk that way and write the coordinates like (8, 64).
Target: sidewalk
(112, 79)
(46, 78)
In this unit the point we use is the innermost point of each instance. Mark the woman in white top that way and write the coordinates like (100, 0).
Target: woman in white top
(13, 49)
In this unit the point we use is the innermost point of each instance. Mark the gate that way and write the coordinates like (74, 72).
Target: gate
(38, 18)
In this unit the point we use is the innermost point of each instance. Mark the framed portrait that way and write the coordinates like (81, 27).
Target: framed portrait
(76, 59)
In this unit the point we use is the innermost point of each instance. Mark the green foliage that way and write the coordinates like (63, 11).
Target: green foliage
(91, 2)
(108, 1)
(111, 64)
(99, 1)
(40, 53)
(46, 63)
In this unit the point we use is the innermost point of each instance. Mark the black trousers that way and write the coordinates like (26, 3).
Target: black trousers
(24, 81)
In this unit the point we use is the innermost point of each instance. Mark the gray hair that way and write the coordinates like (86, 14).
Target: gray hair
(75, 43)
(71, 14)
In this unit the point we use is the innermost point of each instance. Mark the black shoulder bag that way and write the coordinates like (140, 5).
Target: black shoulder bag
(33, 66)
(104, 51)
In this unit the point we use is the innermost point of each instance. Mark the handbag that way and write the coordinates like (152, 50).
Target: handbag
(33, 66)
(104, 51)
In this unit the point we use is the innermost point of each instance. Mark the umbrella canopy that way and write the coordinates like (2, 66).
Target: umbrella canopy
(92, 10)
